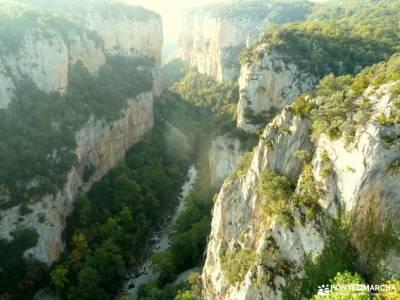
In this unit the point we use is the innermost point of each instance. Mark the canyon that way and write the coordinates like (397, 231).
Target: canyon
(284, 116)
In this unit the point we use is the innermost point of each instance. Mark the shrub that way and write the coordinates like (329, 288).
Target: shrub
(235, 265)
(374, 235)
(338, 255)
(303, 106)
(310, 192)
(326, 165)
(303, 155)
(385, 121)
(278, 194)
(394, 167)
(390, 294)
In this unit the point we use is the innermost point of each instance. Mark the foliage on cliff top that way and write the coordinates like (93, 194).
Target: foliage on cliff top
(37, 129)
(235, 265)
(277, 11)
(19, 19)
(62, 17)
(108, 9)
(341, 105)
(340, 38)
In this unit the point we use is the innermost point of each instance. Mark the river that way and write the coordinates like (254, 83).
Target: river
(160, 240)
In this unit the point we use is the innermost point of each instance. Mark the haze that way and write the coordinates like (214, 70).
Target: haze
(171, 13)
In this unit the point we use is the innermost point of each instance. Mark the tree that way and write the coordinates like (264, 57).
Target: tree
(184, 295)
(59, 278)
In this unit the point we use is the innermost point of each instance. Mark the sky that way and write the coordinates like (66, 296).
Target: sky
(171, 13)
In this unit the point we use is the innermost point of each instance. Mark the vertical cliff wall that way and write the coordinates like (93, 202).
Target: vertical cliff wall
(213, 36)
(45, 56)
(267, 83)
(257, 247)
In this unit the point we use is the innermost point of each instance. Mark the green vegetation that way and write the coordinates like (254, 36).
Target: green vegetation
(338, 38)
(235, 265)
(108, 9)
(342, 279)
(374, 235)
(172, 72)
(279, 196)
(310, 192)
(280, 11)
(38, 129)
(394, 167)
(20, 277)
(219, 99)
(280, 199)
(341, 105)
(302, 106)
(106, 231)
(17, 19)
(338, 255)
(355, 243)
(390, 295)
(303, 155)
(326, 165)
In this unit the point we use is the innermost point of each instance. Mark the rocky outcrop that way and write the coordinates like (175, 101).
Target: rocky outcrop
(45, 57)
(213, 36)
(266, 85)
(271, 252)
(223, 157)
(238, 221)
(100, 145)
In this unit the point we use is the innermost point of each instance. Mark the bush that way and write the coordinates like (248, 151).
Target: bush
(338, 255)
(279, 198)
(394, 168)
(326, 165)
(302, 106)
(303, 155)
(235, 265)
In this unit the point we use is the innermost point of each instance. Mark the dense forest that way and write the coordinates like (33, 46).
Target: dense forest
(349, 45)
(339, 38)
(29, 140)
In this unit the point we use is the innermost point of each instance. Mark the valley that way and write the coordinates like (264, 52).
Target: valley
(259, 160)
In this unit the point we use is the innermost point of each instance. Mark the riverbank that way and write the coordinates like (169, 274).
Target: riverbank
(160, 240)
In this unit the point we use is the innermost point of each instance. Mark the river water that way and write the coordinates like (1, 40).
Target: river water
(160, 240)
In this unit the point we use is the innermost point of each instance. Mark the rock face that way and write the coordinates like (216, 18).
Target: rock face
(266, 85)
(364, 170)
(45, 59)
(213, 36)
(223, 158)
(238, 222)
(100, 145)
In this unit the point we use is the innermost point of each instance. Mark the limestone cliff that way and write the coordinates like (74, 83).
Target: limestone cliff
(266, 85)
(253, 250)
(45, 56)
(223, 157)
(100, 145)
(213, 36)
